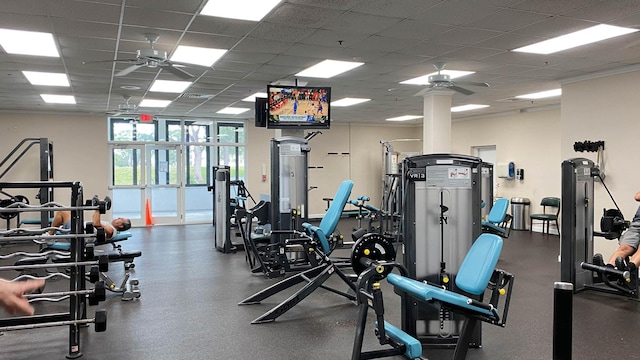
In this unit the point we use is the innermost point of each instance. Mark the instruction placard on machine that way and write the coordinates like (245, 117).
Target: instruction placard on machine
(290, 150)
(450, 176)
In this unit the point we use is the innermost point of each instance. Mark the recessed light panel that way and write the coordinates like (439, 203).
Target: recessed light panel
(468, 107)
(232, 110)
(46, 78)
(197, 55)
(404, 118)
(575, 39)
(252, 10)
(541, 95)
(28, 43)
(170, 86)
(253, 97)
(58, 99)
(348, 101)
(154, 103)
(329, 68)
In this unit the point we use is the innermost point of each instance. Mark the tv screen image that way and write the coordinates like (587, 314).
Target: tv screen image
(302, 107)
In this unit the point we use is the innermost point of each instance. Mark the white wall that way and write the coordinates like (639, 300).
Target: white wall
(79, 150)
(530, 139)
(606, 109)
(359, 158)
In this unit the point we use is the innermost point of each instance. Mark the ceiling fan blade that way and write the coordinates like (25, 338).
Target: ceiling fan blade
(109, 61)
(460, 89)
(177, 71)
(471, 83)
(129, 70)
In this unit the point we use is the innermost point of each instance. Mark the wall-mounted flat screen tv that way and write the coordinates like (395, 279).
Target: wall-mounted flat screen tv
(298, 107)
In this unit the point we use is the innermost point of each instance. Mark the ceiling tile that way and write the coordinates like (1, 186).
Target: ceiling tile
(353, 22)
(302, 15)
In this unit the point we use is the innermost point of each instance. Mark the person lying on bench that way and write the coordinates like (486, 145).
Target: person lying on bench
(62, 219)
(11, 295)
(629, 245)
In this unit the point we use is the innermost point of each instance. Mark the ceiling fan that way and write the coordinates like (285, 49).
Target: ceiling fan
(440, 81)
(124, 109)
(153, 58)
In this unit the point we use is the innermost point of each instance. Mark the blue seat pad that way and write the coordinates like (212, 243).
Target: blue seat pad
(428, 292)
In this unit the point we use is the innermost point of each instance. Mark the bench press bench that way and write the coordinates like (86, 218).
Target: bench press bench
(477, 273)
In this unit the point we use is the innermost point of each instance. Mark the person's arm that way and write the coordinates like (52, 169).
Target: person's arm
(108, 230)
(11, 295)
(637, 197)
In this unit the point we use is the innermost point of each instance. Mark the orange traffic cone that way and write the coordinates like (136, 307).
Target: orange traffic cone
(149, 221)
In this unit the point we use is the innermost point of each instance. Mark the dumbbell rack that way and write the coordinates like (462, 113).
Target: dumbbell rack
(77, 315)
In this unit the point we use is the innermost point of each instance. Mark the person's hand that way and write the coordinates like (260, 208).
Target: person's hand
(11, 295)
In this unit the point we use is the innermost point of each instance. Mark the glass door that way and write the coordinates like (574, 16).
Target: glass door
(163, 195)
(128, 179)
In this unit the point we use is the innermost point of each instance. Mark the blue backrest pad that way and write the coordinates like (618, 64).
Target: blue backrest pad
(330, 220)
(479, 263)
(498, 210)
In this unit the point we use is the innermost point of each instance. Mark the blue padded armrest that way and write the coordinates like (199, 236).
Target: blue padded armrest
(479, 264)
(498, 211)
(330, 220)
(412, 345)
(428, 292)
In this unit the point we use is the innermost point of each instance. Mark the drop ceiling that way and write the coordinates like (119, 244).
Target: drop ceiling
(396, 39)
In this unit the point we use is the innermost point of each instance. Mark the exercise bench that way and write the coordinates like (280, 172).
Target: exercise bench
(477, 273)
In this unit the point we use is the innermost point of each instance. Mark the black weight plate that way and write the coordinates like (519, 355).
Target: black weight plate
(373, 247)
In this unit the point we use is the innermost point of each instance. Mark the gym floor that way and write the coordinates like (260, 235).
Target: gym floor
(188, 310)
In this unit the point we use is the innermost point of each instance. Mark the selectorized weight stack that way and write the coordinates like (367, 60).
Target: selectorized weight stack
(576, 241)
(442, 204)
(487, 189)
(289, 182)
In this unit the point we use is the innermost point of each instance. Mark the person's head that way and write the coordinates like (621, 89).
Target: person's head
(121, 224)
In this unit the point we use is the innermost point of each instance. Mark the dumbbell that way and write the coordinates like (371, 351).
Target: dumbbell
(103, 205)
(100, 321)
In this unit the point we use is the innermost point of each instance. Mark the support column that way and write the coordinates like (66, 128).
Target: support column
(436, 128)
(299, 133)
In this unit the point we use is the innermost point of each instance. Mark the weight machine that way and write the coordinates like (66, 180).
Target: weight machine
(576, 243)
(441, 219)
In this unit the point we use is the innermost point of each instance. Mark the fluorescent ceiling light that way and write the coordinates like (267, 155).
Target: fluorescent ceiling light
(28, 43)
(46, 78)
(154, 103)
(197, 55)
(170, 86)
(575, 39)
(329, 68)
(252, 10)
(542, 94)
(58, 99)
(404, 118)
(424, 79)
(348, 101)
(467, 107)
(253, 97)
(232, 110)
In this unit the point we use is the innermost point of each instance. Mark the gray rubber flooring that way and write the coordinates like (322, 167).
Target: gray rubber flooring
(188, 310)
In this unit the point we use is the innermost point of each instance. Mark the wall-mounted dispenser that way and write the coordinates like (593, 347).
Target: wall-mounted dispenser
(506, 170)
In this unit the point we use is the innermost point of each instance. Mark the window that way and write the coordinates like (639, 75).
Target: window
(232, 155)
(197, 156)
(132, 130)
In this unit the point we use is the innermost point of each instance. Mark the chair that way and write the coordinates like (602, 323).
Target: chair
(498, 221)
(547, 216)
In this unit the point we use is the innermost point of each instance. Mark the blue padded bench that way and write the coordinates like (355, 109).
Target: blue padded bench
(33, 221)
(66, 246)
(498, 218)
